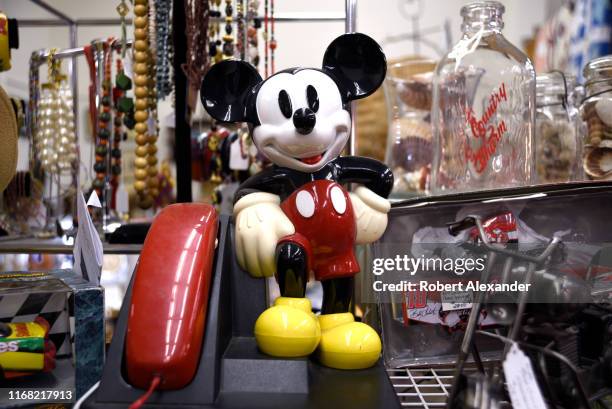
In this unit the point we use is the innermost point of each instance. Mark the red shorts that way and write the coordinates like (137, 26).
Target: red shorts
(322, 215)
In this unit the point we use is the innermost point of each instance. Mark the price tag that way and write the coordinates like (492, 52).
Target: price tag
(522, 384)
(456, 300)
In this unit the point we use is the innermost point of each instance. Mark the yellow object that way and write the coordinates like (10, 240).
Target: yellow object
(346, 344)
(22, 361)
(5, 52)
(26, 334)
(288, 329)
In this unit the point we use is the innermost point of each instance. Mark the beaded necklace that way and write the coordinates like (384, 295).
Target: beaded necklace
(198, 34)
(265, 37)
(103, 131)
(240, 31)
(228, 38)
(164, 48)
(254, 24)
(272, 38)
(146, 136)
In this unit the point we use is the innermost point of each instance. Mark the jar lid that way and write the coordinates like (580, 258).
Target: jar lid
(555, 83)
(598, 69)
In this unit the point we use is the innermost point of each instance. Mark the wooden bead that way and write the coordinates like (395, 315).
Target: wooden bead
(151, 149)
(140, 174)
(141, 92)
(152, 138)
(140, 44)
(152, 160)
(142, 150)
(141, 68)
(140, 185)
(141, 139)
(140, 34)
(141, 127)
(153, 182)
(140, 163)
(141, 104)
(141, 2)
(141, 116)
(154, 192)
(152, 171)
(141, 11)
(140, 23)
(140, 80)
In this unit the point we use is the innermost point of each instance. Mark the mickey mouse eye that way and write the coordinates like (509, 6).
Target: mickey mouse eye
(284, 103)
(313, 98)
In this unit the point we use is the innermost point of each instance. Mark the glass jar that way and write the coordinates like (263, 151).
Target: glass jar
(408, 93)
(557, 141)
(483, 109)
(596, 112)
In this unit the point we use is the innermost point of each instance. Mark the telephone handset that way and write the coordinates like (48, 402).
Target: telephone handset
(170, 298)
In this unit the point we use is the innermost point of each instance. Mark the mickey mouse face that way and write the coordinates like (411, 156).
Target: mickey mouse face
(303, 123)
(300, 118)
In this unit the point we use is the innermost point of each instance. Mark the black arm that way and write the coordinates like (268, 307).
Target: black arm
(371, 173)
(271, 180)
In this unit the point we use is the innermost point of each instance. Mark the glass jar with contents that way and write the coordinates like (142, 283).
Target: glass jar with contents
(596, 112)
(483, 108)
(557, 140)
(409, 142)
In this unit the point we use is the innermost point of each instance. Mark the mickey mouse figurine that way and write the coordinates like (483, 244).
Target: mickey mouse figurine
(295, 217)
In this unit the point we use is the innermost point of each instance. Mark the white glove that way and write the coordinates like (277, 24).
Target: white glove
(260, 223)
(370, 214)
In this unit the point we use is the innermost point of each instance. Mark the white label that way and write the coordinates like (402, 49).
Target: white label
(94, 200)
(237, 161)
(456, 300)
(88, 251)
(522, 384)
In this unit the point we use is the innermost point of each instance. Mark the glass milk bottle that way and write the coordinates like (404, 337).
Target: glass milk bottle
(483, 108)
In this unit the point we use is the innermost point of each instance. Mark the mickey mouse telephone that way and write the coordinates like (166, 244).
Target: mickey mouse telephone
(295, 217)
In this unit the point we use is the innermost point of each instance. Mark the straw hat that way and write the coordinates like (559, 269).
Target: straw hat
(8, 140)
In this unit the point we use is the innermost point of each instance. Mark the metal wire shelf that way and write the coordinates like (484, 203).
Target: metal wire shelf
(424, 387)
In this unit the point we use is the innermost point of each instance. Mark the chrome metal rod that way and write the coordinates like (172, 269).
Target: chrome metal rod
(53, 11)
(91, 22)
(350, 26)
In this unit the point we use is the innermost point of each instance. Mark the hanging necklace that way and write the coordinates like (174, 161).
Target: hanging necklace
(199, 38)
(213, 31)
(228, 38)
(254, 24)
(265, 37)
(272, 38)
(141, 104)
(122, 105)
(123, 10)
(104, 117)
(164, 47)
(240, 31)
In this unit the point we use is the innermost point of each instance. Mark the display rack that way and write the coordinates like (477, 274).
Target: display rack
(183, 150)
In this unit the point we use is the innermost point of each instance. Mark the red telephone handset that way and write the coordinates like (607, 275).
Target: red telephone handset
(170, 297)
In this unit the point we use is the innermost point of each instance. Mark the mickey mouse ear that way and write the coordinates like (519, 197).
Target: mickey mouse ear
(358, 63)
(226, 89)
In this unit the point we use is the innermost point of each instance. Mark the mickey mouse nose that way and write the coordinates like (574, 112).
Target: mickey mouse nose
(304, 120)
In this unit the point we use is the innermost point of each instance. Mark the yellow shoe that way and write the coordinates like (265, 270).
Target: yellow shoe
(288, 329)
(346, 344)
